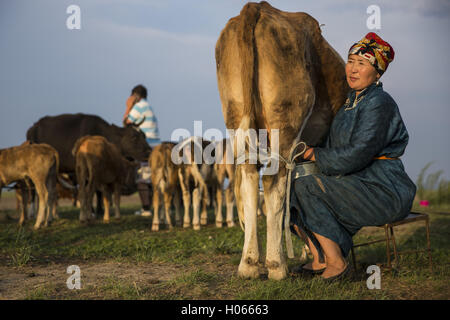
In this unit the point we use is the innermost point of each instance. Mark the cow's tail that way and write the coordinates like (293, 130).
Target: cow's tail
(167, 164)
(249, 17)
(61, 180)
(247, 51)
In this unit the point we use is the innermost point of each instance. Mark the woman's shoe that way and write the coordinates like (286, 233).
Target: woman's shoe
(301, 270)
(344, 274)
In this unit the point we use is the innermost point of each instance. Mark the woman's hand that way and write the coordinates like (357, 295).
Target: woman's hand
(309, 154)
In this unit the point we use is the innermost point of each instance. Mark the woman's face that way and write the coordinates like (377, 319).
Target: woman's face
(360, 73)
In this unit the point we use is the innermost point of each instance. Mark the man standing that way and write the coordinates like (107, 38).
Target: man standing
(139, 111)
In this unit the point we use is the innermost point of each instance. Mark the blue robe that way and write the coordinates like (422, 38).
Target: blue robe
(353, 189)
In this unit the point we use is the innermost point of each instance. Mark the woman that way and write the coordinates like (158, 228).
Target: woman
(362, 180)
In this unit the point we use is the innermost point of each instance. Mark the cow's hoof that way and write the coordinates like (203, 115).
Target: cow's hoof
(247, 271)
(230, 224)
(204, 222)
(186, 225)
(105, 220)
(277, 273)
(196, 227)
(155, 227)
(219, 224)
(169, 226)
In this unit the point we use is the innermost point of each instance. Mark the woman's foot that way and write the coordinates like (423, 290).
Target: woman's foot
(334, 269)
(311, 268)
(314, 266)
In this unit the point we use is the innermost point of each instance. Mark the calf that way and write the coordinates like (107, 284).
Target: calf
(100, 166)
(194, 174)
(38, 163)
(165, 183)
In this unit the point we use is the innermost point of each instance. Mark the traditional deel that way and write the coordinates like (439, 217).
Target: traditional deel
(354, 189)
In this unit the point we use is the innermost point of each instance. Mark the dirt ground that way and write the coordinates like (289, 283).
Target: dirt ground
(17, 282)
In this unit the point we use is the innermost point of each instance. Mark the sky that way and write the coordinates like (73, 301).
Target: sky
(168, 45)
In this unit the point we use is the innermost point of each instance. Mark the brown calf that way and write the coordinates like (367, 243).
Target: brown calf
(38, 163)
(194, 175)
(100, 166)
(165, 184)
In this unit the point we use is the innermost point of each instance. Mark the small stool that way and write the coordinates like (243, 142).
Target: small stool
(389, 227)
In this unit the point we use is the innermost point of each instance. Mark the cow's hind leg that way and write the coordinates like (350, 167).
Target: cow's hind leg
(229, 205)
(117, 201)
(219, 197)
(274, 194)
(177, 204)
(51, 192)
(204, 214)
(196, 199)
(43, 199)
(156, 200)
(83, 196)
(247, 187)
(22, 200)
(167, 203)
(106, 195)
(184, 184)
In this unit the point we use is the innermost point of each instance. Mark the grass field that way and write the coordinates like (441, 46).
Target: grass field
(125, 260)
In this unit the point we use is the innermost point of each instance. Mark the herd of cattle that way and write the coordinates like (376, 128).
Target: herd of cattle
(274, 70)
(81, 154)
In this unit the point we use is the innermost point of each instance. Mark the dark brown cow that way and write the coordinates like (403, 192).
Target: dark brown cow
(274, 71)
(38, 163)
(165, 184)
(100, 166)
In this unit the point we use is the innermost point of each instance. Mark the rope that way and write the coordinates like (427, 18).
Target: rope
(290, 165)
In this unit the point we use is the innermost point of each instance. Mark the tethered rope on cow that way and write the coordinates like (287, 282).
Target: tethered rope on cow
(290, 165)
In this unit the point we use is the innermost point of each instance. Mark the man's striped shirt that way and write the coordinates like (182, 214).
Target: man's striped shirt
(150, 125)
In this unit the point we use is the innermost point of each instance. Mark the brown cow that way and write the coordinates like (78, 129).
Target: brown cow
(274, 71)
(38, 163)
(100, 166)
(165, 184)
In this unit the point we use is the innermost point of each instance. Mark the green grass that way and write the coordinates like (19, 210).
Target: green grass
(206, 261)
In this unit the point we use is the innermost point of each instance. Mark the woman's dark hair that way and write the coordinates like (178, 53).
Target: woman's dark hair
(140, 90)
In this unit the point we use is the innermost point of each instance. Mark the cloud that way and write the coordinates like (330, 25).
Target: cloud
(432, 8)
(149, 32)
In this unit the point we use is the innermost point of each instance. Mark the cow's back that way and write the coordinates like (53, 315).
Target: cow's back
(273, 68)
(103, 157)
(27, 161)
(61, 132)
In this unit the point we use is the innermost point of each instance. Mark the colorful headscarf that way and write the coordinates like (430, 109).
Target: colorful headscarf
(376, 50)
